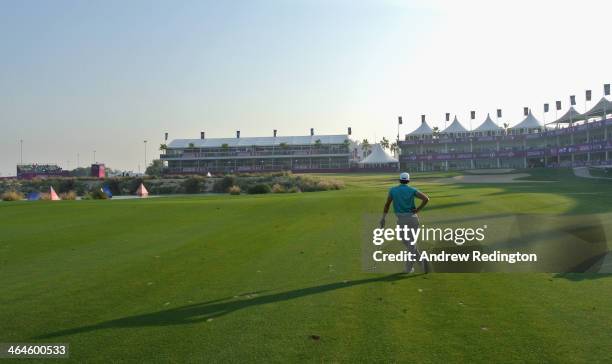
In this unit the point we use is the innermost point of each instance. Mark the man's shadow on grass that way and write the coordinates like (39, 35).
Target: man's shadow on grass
(199, 312)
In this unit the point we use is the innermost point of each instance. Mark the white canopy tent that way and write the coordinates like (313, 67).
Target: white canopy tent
(571, 116)
(530, 122)
(423, 129)
(455, 128)
(601, 109)
(378, 158)
(487, 126)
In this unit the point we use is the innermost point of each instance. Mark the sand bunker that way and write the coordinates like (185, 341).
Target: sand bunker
(584, 173)
(489, 178)
(489, 171)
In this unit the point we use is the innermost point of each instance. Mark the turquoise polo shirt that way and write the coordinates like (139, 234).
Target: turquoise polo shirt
(403, 198)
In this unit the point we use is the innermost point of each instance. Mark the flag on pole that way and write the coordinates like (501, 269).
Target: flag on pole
(166, 136)
(558, 105)
(573, 100)
(422, 118)
(546, 107)
(473, 115)
(499, 113)
(447, 116)
(399, 120)
(607, 89)
(588, 95)
(349, 131)
(526, 111)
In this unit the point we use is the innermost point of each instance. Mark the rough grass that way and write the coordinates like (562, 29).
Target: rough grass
(12, 196)
(70, 195)
(256, 277)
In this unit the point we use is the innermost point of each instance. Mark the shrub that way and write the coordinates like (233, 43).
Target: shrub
(45, 196)
(114, 185)
(12, 196)
(223, 185)
(66, 185)
(96, 194)
(277, 188)
(70, 195)
(234, 190)
(193, 185)
(259, 189)
(330, 184)
(307, 184)
(311, 184)
(294, 189)
(7, 185)
(164, 189)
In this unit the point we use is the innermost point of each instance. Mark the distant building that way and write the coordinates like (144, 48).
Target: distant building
(379, 159)
(312, 153)
(98, 170)
(29, 171)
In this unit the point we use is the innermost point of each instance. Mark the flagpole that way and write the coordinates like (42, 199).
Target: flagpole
(399, 122)
(572, 103)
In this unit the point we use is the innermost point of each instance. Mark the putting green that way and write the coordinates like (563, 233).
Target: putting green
(278, 278)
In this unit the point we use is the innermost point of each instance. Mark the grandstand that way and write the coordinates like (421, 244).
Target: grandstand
(313, 153)
(574, 139)
(29, 171)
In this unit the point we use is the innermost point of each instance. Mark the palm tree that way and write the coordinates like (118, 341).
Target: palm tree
(394, 149)
(506, 126)
(163, 147)
(435, 132)
(365, 146)
(191, 145)
(384, 143)
(318, 143)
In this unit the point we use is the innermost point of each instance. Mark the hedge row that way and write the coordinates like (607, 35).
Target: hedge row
(251, 183)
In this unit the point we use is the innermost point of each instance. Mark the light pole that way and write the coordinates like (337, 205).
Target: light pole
(145, 150)
(94, 155)
(21, 151)
(78, 160)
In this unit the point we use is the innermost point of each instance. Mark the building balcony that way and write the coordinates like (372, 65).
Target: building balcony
(250, 155)
(529, 152)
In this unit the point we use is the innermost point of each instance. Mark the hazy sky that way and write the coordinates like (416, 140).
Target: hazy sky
(78, 76)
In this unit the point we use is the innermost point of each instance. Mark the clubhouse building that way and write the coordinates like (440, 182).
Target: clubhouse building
(312, 153)
(572, 140)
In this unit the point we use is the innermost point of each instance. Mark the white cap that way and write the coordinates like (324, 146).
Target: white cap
(404, 176)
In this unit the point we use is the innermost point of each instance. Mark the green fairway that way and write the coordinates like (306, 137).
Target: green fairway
(253, 277)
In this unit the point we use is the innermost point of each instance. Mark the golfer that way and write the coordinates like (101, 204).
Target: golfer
(402, 197)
